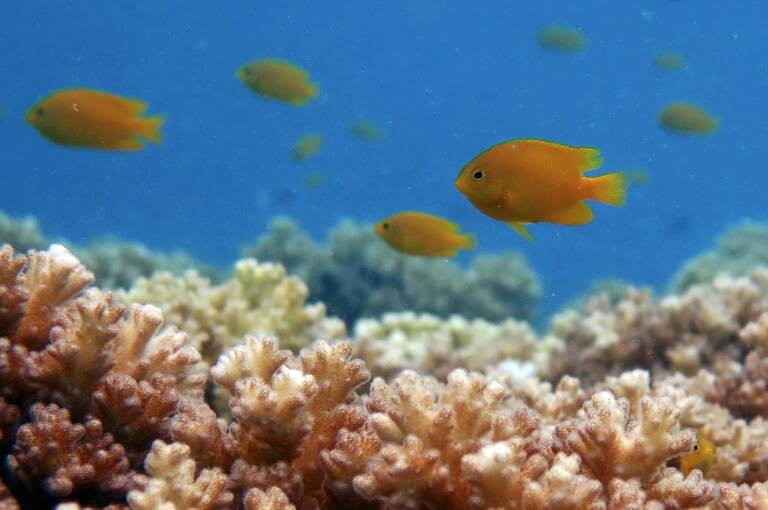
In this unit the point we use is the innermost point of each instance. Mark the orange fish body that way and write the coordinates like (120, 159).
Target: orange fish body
(277, 79)
(417, 233)
(89, 118)
(529, 181)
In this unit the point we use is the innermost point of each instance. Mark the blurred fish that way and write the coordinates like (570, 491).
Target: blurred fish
(561, 38)
(669, 61)
(313, 180)
(687, 119)
(99, 120)
(636, 177)
(366, 130)
(528, 181)
(417, 233)
(277, 79)
(306, 147)
(702, 457)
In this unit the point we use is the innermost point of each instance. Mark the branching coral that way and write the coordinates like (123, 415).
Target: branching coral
(357, 275)
(101, 404)
(116, 374)
(68, 457)
(260, 300)
(436, 346)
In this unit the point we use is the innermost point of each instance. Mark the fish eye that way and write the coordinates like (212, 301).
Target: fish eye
(40, 112)
(385, 225)
(246, 70)
(478, 175)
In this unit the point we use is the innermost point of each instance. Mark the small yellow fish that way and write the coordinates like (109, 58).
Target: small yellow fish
(366, 130)
(99, 120)
(687, 119)
(280, 80)
(529, 181)
(561, 38)
(306, 147)
(417, 233)
(669, 61)
(702, 457)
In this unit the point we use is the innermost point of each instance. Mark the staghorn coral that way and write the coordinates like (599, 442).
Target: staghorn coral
(356, 275)
(739, 251)
(431, 345)
(260, 300)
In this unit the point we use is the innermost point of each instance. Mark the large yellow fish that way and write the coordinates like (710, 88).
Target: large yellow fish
(417, 233)
(702, 457)
(529, 181)
(277, 79)
(99, 120)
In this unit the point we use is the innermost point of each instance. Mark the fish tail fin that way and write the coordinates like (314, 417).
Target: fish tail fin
(152, 128)
(467, 242)
(609, 188)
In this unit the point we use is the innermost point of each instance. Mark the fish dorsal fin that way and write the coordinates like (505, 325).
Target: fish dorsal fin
(132, 106)
(591, 158)
(519, 227)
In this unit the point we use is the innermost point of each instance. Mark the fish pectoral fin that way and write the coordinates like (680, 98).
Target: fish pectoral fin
(519, 227)
(578, 214)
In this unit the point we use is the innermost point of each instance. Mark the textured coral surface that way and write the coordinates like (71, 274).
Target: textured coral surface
(104, 406)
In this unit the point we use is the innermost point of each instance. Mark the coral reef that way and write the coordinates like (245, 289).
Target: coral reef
(739, 251)
(260, 299)
(431, 345)
(115, 263)
(356, 275)
(22, 233)
(101, 406)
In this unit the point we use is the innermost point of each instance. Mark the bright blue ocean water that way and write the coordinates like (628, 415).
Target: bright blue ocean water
(445, 79)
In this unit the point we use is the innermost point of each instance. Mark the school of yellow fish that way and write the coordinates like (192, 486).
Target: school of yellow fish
(518, 182)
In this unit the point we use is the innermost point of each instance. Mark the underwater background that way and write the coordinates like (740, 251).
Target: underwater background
(444, 80)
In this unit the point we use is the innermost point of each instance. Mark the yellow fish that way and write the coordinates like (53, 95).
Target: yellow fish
(306, 147)
(99, 120)
(529, 181)
(669, 61)
(366, 130)
(561, 38)
(702, 457)
(687, 119)
(417, 233)
(276, 79)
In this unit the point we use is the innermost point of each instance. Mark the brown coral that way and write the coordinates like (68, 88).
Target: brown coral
(67, 457)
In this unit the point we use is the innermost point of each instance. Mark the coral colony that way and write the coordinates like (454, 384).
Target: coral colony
(105, 406)
(102, 406)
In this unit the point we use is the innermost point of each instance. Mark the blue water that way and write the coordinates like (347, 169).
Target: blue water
(445, 79)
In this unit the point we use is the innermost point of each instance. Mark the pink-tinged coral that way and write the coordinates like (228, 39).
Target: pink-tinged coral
(744, 497)
(66, 457)
(288, 409)
(171, 482)
(272, 499)
(7, 501)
